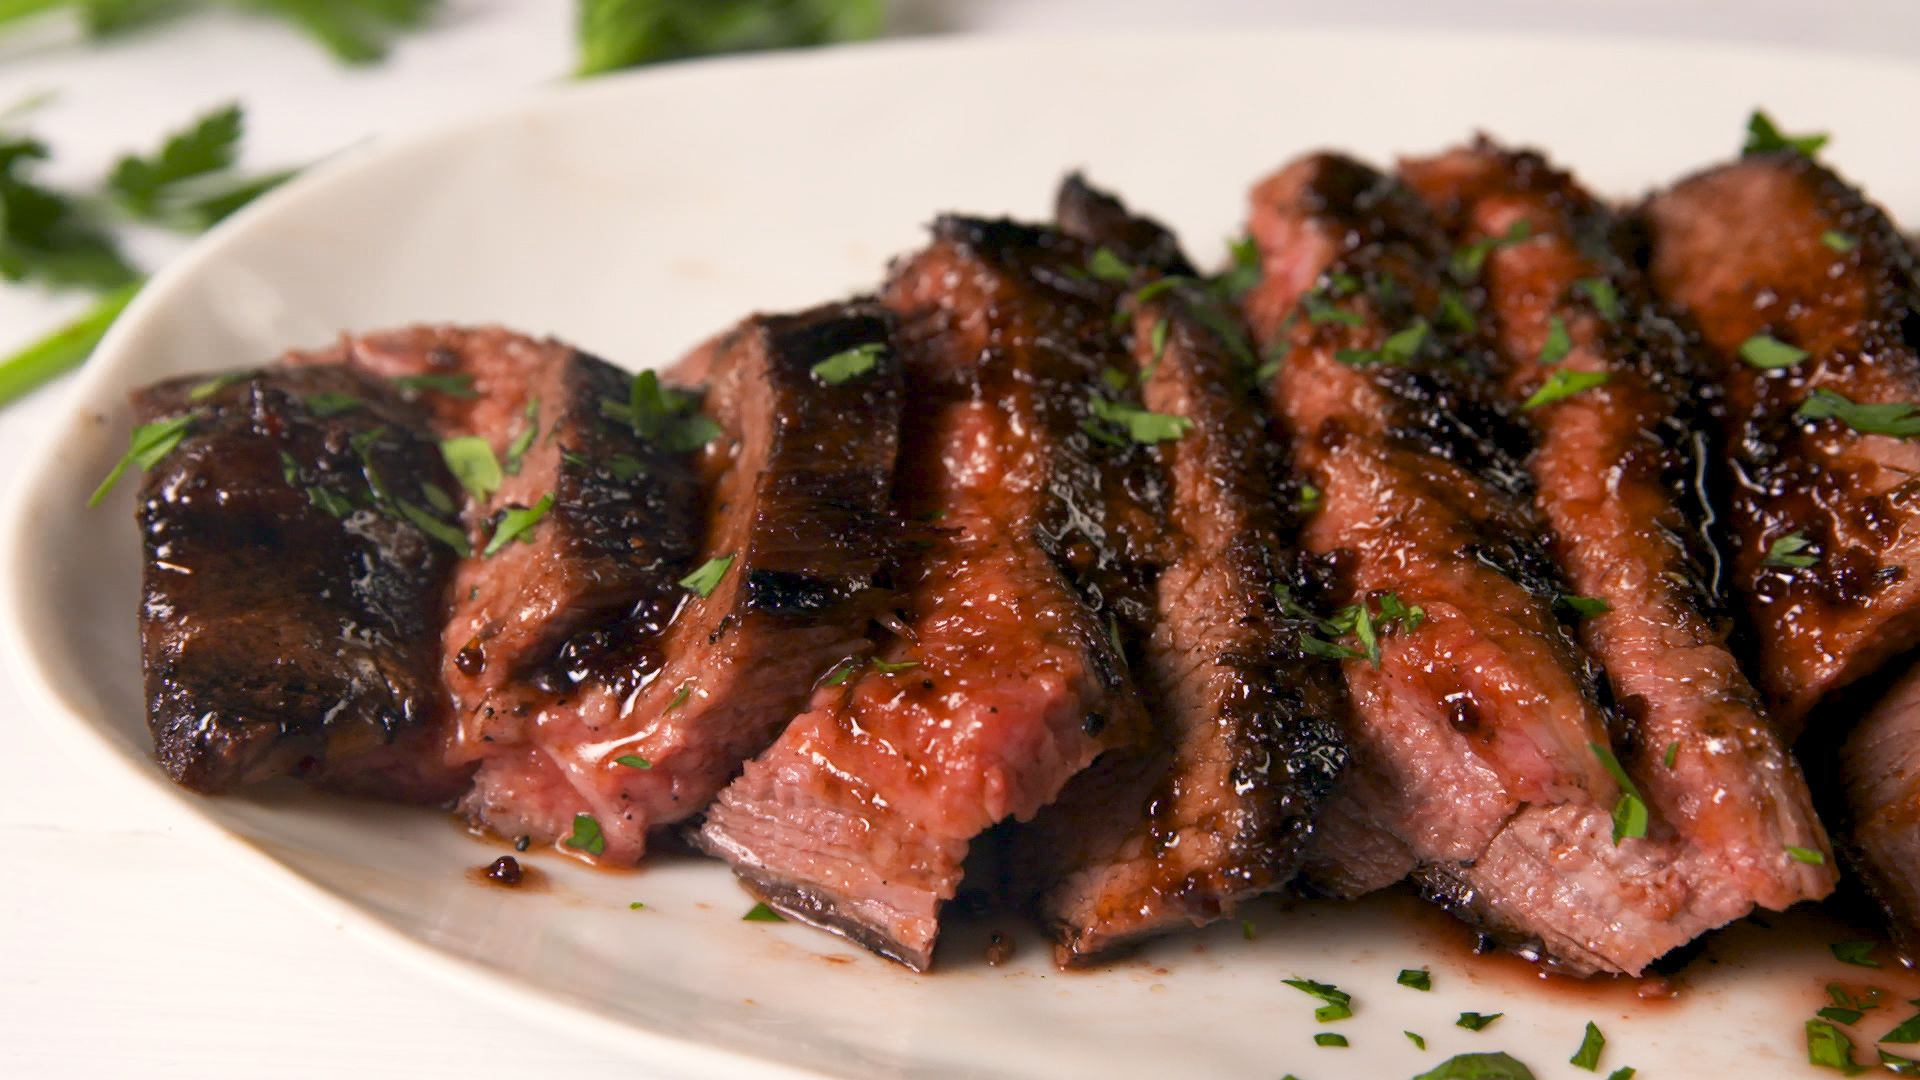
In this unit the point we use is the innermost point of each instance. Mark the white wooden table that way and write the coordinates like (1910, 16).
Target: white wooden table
(128, 951)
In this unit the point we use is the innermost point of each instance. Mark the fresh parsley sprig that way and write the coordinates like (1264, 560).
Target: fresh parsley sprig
(618, 34)
(354, 31)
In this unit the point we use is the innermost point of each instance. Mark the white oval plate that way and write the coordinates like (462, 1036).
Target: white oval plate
(634, 216)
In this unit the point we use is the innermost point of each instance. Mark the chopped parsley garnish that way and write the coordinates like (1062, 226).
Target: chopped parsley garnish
(1897, 1065)
(1841, 1016)
(1835, 240)
(1417, 978)
(1247, 930)
(517, 449)
(1558, 343)
(1807, 855)
(1339, 1003)
(205, 390)
(331, 403)
(703, 581)
(1829, 1048)
(1564, 384)
(1672, 755)
(1584, 606)
(451, 535)
(1605, 298)
(437, 498)
(1474, 1021)
(762, 913)
(586, 835)
(1320, 310)
(662, 416)
(1630, 813)
(1591, 1046)
(1455, 314)
(841, 672)
(1857, 953)
(680, 697)
(1116, 380)
(1767, 353)
(1845, 999)
(616, 34)
(1399, 349)
(470, 459)
(849, 363)
(1907, 1032)
(1244, 274)
(1330, 1038)
(1467, 262)
(633, 761)
(1496, 1066)
(518, 523)
(1624, 1072)
(1308, 500)
(1763, 136)
(458, 385)
(885, 668)
(1107, 266)
(636, 906)
(1786, 552)
(1897, 418)
(1139, 424)
(145, 447)
(1419, 1041)
(1157, 338)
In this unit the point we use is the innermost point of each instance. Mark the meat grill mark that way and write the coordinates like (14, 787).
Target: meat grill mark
(278, 638)
(860, 817)
(1738, 250)
(1216, 807)
(644, 726)
(1473, 738)
(1615, 470)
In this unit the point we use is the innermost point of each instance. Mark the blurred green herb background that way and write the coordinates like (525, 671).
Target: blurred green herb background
(71, 238)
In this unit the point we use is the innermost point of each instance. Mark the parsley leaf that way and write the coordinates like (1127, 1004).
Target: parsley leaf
(587, 836)
(762, 913)
(145, 447)
(1245, 273)
(452, 384)
(1809, 856)
(1474, 1021)
(1829, 1048)
(1139, 424)
(1630, 813)
(1837, 241)
(470, 459)
(517, 524)
(661, 415)
(64, 349)
(1785, 552)
(1897, 1065)
(328, 403)
(617, 34)
(885, 668)
(1592, 1045)
(1419, 1041)
(1558, 343)
(209, 146)
(1899, 419)
(1326, 992)
(1763, 136)
(850, 363)
(1498, 1066)
(1605, 298)
(47, 236)
(1907, 1032)
(1454, 313)
(1417, 978)
(1467, 262)
(1564, 384)
(1330, 1038)
(1672, 755)
(523, 442)
(354, 31)
(1857, 953)
(704, 580)
(633, 761)
(1584, 606)
(1767, 353)
(1107, 266)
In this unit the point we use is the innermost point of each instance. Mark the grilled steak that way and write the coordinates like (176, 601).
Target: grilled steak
(1615, 468)
(1004, 682)
(291, 610)
(1217, 806)
(1825, 525)
(641, 721)
(1477, 728)
(1880, 766)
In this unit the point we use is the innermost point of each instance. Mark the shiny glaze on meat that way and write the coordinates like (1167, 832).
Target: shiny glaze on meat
(860, 817)
(1880, 766)
(1217, 806)
(1474, 736)
(641, 728)
(1738, 250)
(278, 638)
(1616, 470)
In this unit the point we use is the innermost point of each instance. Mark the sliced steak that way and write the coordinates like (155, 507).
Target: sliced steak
(291, 610)
(1616, 468)
(1824, 517)
(1478, 730)
(640, 722)
(1005, 681)
(1880, 765)
(1217, 806)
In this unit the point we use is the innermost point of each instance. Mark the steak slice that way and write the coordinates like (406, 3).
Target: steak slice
(1748, 249)
(1217, 806)
(1880, 766)
(642, 721)
(1615, 468)
(1477, 730)
(1005, 682)
(291, 608)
